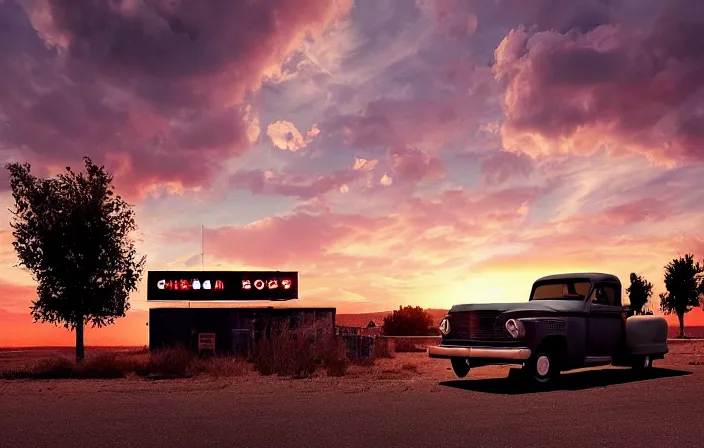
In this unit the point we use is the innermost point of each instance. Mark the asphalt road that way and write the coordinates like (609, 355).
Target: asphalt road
(593, 408)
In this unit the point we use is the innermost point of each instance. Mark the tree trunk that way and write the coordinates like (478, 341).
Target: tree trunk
(80, 350)
(680, 316)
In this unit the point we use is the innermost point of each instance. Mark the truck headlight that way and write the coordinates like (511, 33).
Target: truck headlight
(515, 328)
(444, 326)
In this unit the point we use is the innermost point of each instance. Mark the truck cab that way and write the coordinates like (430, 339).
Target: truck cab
(570, 321)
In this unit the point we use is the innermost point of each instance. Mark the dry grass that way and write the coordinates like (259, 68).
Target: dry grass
(103, 365)
(222, 366)
(296, 353)
(299, 352)
(166, 363)
(50, 368)
(107, 365)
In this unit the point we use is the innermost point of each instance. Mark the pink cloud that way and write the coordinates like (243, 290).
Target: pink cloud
(158, 88)
(302, 186)
(615, 85)
(465, 18)
(463, 91)
(502, 166)
(289, 240)
(643, 210)
(315, 240)
(415, 165)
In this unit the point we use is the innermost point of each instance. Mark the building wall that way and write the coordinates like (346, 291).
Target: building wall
(233, 327)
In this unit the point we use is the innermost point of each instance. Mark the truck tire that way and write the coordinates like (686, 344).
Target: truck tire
(542, 368)
(642, 363)
(460, 366)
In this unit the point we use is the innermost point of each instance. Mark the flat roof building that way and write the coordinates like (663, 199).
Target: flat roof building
(234, 328)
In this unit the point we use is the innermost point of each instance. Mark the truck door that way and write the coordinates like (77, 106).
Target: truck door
(604, 322)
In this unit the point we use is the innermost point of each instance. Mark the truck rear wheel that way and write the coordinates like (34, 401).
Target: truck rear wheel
(642, 363)
(460, 366)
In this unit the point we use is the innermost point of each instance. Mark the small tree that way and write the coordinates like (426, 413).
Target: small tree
(408, 321)
(684, 284)
(72, 233)
(639, 292)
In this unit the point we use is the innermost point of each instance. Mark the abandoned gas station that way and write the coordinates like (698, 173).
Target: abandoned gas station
(220, 328)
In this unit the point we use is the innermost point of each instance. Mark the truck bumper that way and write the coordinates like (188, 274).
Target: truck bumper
(450, 351)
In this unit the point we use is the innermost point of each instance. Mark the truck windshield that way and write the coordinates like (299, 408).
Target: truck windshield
(561, 290)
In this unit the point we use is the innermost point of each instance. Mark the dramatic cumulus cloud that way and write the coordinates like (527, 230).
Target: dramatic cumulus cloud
(155, 87)
(615, 86)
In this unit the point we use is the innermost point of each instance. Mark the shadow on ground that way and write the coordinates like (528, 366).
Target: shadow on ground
(582, 380)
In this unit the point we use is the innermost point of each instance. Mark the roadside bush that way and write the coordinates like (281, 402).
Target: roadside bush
(102, 365)
(50, 368)
(167, 362)
(222, 366)
(298, 352)
(335, 359)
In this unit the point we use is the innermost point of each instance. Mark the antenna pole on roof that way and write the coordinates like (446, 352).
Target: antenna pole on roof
(202, 252)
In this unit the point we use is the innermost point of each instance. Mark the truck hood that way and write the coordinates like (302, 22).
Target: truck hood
(556, 306)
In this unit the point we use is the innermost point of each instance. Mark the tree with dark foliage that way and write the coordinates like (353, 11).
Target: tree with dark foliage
(639, 292)
(684, 283)
(73, 234)
(408, 321)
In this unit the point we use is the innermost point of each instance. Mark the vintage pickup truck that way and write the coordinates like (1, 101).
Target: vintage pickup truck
(570, 321)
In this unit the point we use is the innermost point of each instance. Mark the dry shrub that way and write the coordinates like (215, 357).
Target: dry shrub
(176, 362)
(222, 366)
(50, 368)
(102, 365)
(335, 360)
(298, 352)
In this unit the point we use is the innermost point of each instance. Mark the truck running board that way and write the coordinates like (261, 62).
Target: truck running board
(597, 359)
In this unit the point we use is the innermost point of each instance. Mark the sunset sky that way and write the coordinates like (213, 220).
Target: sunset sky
(392, 151)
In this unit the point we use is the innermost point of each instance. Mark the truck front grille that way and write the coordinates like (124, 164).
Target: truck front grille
(478, 326)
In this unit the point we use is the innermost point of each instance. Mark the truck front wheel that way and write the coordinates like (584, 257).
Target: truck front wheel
(542, 368)
(460, 366)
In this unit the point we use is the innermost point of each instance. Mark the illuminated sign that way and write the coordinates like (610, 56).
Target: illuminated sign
(222, 285)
